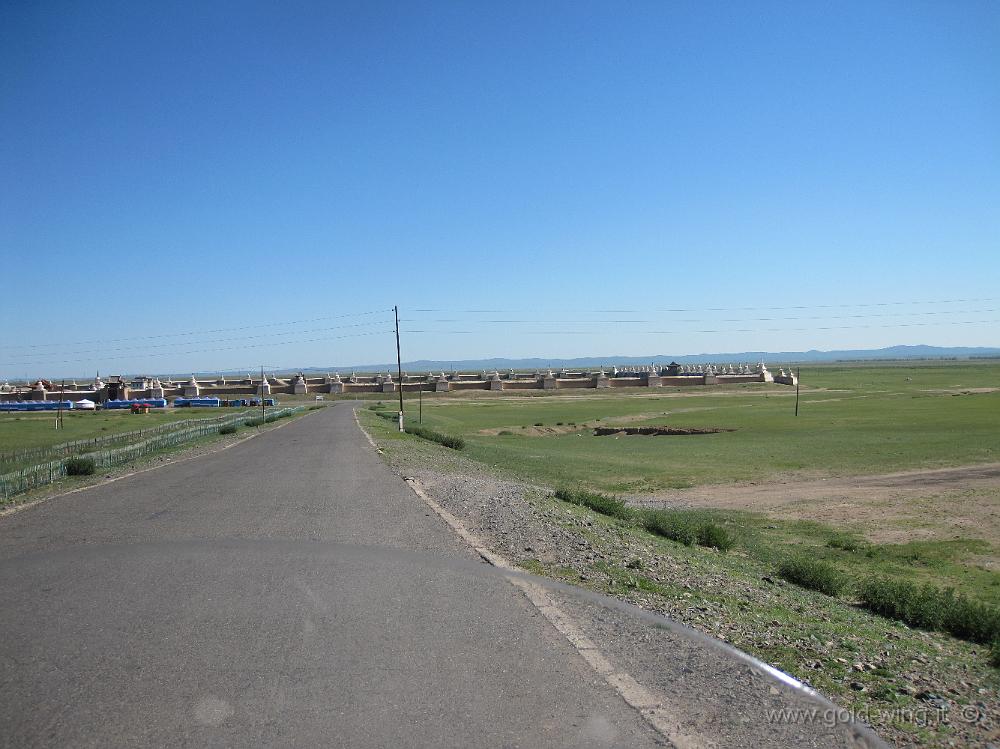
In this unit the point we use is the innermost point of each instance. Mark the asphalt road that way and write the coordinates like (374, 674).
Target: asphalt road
(289, 591)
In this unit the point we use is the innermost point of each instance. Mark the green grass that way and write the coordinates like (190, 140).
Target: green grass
(813, 574)
(610, 506)
(446, 440)
(879, 422)
(80, 467)
(855, 419)
(931, 608)
(267, 419)
(774, 542)
(736, 597)
(685, 526)
(671, 524)
(954, 562)
(29, 430)
(455, 443)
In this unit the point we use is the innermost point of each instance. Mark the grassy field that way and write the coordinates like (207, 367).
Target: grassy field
(854, 420)
(921, 416)
(28, 430)
(21, 483)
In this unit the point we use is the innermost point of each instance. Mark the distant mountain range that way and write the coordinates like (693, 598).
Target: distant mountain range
(892, 353)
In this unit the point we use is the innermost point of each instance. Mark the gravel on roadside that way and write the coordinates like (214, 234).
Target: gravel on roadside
(915, 688)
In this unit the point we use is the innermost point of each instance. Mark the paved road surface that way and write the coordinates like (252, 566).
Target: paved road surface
(282, 592)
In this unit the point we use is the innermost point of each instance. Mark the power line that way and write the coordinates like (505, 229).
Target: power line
(188, 343)
(205, 332)
(146, 347)
(647, 310)
(697, 320)
(720, 330)
(199, 351)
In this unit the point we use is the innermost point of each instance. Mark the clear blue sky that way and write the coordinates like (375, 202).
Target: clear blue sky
(175, 168)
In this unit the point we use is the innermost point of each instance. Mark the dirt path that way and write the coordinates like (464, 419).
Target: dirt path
(892, 507)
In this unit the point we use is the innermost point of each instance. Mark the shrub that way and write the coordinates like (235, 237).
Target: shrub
(970, 620)
(227, 429)
(813, 574)
(931, 608)
(539, 424)
(80, 467)
(902, 600)
(267, 420)
(610, 506)
(506, 433)
(673, 524)
(715, 537)
(995, 653)
(455, 443)
(847, 543)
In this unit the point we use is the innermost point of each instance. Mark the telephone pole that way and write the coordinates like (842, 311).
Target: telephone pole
(263, 414)
(798, 376)
(399, 369)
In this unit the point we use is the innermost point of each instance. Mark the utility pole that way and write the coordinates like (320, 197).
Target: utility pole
(420, 412)
(399, 369)
(798, 376)
(263, 413)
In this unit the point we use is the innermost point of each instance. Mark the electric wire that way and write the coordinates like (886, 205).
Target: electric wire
(204, 332)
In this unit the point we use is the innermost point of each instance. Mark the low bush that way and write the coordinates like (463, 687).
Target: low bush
(267, 420)
(931, 608)
(455, 443)
(687, 527)
(80, 467)
(539, 424)
(813, 574)
(715, 536)
(506, 433)
(610, 506)
(227, 429)
(847, 543)
(673, 524)
(995, 653)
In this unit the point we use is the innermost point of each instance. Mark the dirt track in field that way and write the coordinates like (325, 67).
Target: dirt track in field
(892, 507)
